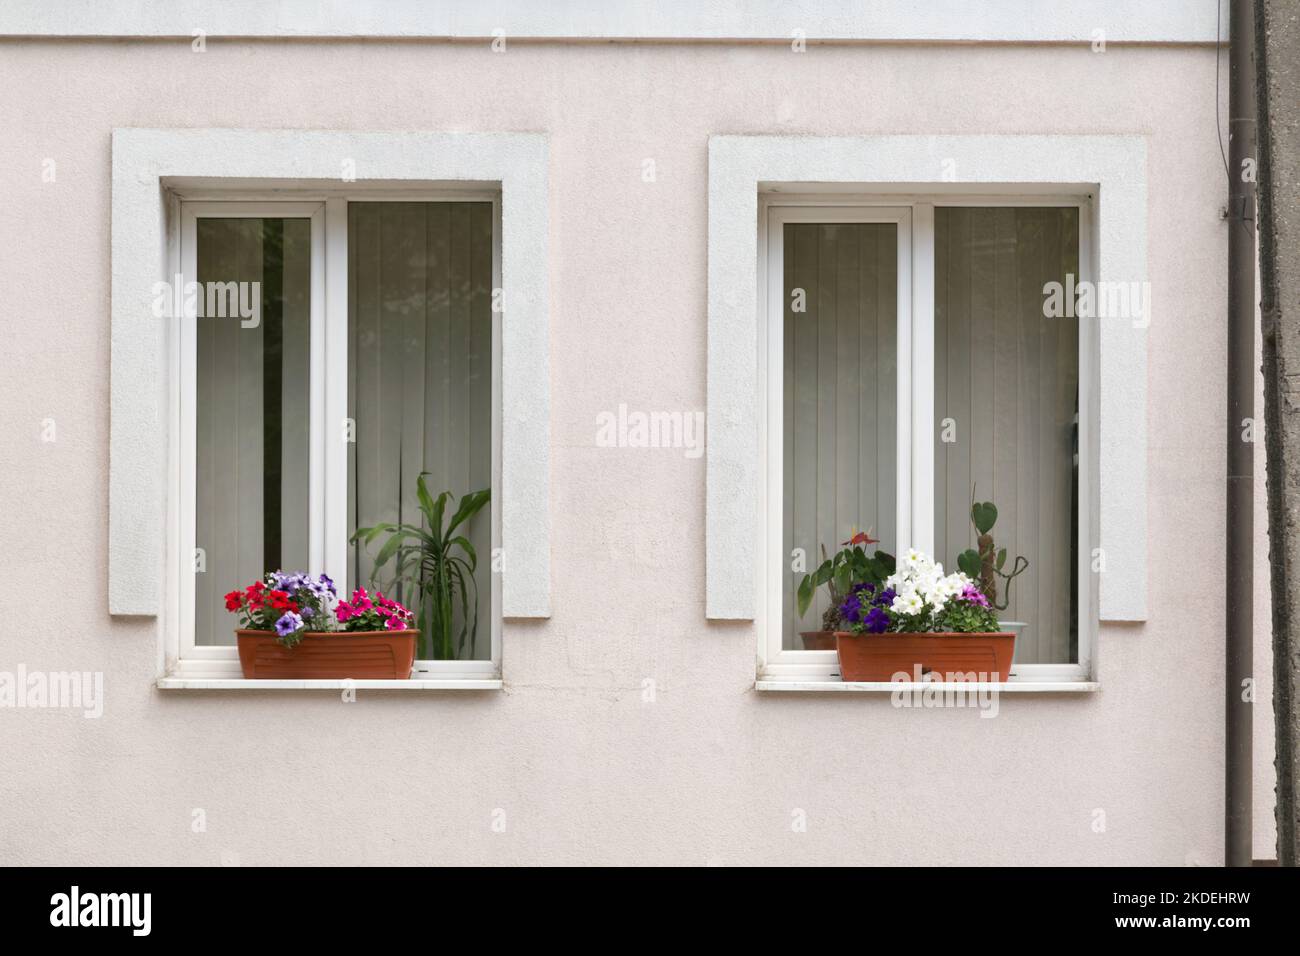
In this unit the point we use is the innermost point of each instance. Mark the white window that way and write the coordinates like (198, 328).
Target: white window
(338, 349)
(908, 363)
(286, 199)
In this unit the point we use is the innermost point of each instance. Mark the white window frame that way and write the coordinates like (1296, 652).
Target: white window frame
(328, 380)
(914, 216)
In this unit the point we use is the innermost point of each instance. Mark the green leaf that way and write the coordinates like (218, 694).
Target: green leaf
(436, 513)
(805, 594)
(421, 623)
(983, 515)
(471, 555)
(1002, 558)
(968, 562)
(843, 580)
(823, 574)
(366, 535)
(470, 505)
(390, 548)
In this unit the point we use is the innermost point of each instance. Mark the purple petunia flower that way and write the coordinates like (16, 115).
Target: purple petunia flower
(287, 624)
(877, 621)
(289, 581)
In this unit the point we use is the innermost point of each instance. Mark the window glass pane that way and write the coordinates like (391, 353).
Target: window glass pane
(253, 359)
(1008, 379)
(841, 396)
(420, 388)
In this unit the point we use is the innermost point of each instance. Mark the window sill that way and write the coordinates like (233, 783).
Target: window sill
(787, 685)
(413, 684)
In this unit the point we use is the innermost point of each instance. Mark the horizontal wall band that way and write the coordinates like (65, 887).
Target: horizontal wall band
(935, 21)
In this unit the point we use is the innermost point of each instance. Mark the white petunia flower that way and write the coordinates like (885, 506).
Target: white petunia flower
(920, 581)
(915, 560)
(904, 599)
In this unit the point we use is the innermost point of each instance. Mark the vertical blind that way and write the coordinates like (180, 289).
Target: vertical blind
(420, 371)
(840, 394)
(252, 413)
(1008, 378)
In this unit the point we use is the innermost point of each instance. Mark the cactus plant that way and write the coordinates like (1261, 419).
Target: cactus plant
(985, 564)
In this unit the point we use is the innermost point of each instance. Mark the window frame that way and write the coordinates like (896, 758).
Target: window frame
(328, 402)
(916, 378)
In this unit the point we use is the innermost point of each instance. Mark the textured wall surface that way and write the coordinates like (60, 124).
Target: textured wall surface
(571, 756)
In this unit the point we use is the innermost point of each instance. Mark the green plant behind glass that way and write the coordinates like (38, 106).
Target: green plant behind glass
(433, 567)
(985, 565)
(851, 565)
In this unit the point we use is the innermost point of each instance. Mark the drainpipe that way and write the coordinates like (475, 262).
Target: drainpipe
(1239, 624)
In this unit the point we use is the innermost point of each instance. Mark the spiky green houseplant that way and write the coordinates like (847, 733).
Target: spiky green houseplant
(985, 564)
(431, 567)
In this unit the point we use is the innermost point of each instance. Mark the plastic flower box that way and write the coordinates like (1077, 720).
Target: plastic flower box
(369, 637)
(362, 655)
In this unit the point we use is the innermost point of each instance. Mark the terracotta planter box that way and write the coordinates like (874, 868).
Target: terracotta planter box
(361, 655)
(878, 657)
(818, 640)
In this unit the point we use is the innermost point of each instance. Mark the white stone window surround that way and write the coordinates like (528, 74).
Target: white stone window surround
(142, 433)
(1112, 168)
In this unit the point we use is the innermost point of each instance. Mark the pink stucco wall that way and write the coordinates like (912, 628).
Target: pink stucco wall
(583, 767)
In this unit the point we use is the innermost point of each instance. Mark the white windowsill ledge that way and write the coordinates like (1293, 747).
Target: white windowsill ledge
(413, 684)
(890, 687)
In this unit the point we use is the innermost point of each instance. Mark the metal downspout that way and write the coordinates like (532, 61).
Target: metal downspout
(1239, 624)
